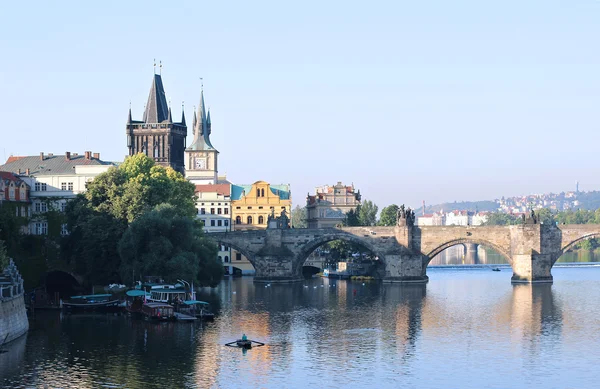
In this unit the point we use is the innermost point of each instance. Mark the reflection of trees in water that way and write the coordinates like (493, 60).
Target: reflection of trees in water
(11, 358)
(85, 349)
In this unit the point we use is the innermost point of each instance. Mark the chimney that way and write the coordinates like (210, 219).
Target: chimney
(42, 156)
(96, 156)
(88, 155)
(27, 171)
(75, 154)
(67, 155)
(19, 172)
(50, 155)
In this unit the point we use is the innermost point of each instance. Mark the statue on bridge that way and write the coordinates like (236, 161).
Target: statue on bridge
(405, 217)
(530, 219)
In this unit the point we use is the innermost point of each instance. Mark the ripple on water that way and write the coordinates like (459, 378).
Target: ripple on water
(465, 328)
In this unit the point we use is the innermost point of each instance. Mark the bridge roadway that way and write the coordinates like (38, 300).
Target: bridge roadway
(405, 251)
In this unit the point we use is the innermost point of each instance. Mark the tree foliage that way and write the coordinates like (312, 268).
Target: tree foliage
(501, 219)
(352, 218)
(164, 243)
(3, 256)
(299, 217)
(389, 215)
(367, 215)
(137, 186)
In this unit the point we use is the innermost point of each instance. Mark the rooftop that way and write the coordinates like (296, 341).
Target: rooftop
(51, 164)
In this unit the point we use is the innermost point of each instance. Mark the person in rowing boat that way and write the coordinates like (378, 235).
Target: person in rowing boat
(244, 337)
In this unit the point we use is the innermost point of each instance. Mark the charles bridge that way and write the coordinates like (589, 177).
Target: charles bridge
(404, 251)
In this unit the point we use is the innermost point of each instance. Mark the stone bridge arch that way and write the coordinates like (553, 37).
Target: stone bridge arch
(307, 248)
(234, 242)
(464, 241)
(570, 235)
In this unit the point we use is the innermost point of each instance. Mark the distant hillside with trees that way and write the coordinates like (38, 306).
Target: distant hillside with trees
(482, 206)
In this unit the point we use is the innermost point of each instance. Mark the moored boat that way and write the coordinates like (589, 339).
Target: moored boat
(199, 309)
(92, 302)
(158, 312)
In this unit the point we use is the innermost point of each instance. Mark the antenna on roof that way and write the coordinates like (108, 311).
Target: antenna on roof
(202, 83)
(159, 67)
(154, 65)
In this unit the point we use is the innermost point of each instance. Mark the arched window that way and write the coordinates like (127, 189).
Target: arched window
(249, 219)
(261, 220)
(156, 151)
(220, 259)
(226, 258)
(238, 220)
(262, 193)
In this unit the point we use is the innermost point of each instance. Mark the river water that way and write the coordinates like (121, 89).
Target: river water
(467, 328)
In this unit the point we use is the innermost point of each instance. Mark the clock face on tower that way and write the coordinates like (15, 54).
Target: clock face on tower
(200, 163)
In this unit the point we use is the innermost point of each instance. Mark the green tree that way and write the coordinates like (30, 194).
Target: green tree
(352, 218)
(299, 217)
(137, 186)
(367, 215)
(3, 256)
(164, 243)
(389, 215)
(501, 219)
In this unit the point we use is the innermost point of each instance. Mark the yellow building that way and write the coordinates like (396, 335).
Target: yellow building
(251, 206)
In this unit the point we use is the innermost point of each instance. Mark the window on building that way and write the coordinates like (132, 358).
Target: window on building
(37, 207)
(63, 206)
(226, 258)
(44, 187)
(22, 195)
(63, 186)
(219, 223)
(261, 220)
(212, 223)
(262, 193)
(260, 207)
(219, 204)
(63, 229)
(17, 211)
(37, 186)
(238, 207)
(226, 211)
(11, 192)
(238, 256)
(41, 228)
(220, 259)
(282, 207)
(238, 220)
(70, 186)
(249, 219)
(43, 207)
(212, 211)
(202, 211)
(226, 223)
(23, 214)
(212, 203)
(249, 207)
(219, 211)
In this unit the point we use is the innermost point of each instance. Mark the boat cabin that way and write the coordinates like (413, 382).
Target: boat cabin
(158, 311)
(167, 293)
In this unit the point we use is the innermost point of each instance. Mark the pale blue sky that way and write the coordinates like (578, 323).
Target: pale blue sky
(409, 100)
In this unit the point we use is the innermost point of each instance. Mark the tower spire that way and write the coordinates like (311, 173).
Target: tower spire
(156, 110)
(129, 120)
(182, 114)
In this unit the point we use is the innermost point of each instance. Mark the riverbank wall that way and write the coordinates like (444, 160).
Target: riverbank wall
(13, 314)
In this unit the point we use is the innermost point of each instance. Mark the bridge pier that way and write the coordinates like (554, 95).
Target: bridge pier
(405, 268)
(471, 253)
(532, 268)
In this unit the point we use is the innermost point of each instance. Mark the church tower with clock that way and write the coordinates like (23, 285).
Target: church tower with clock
(201, 157)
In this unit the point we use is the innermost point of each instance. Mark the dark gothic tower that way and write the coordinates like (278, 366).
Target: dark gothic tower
(156, 135)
